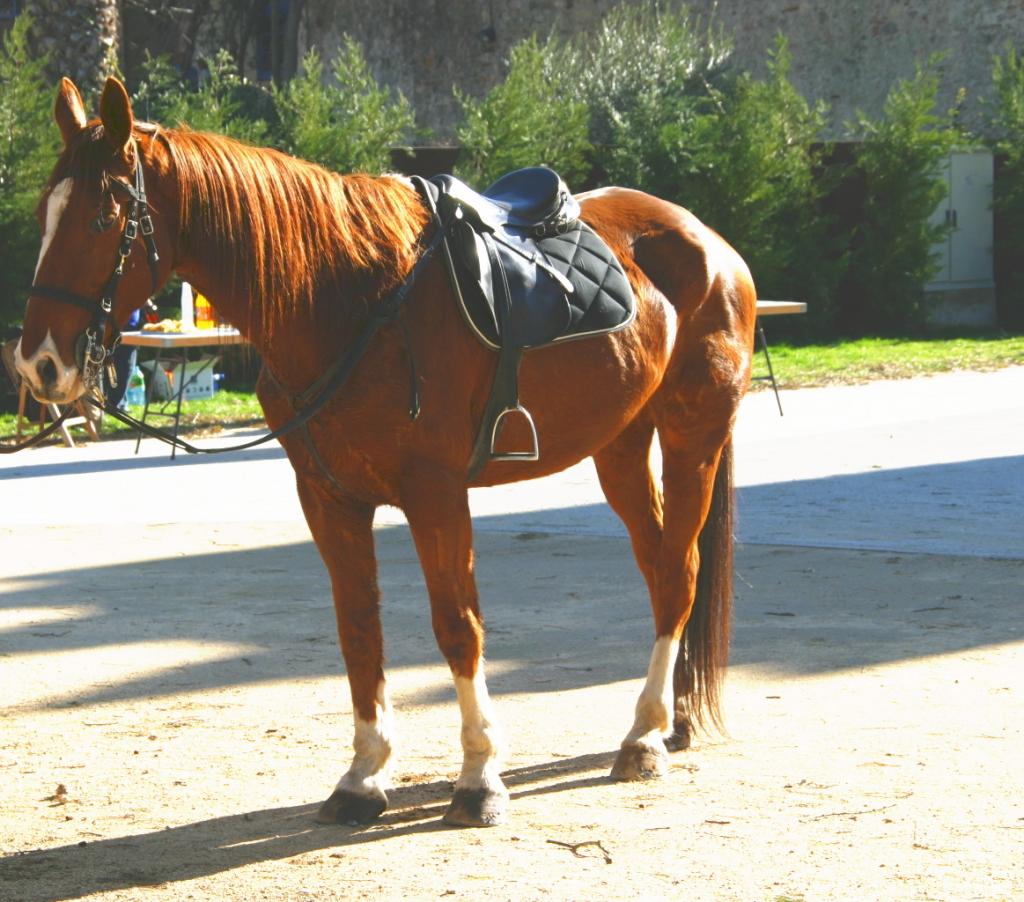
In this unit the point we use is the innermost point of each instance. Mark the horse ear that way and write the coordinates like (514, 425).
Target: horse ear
(69, 110)
(116, 114)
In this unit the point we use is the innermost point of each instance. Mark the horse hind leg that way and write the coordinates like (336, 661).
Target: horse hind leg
(624, 470)
(684, 673)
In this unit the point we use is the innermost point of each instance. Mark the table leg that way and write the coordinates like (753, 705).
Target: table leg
(149, 397)
(768, 360)
(181, 396)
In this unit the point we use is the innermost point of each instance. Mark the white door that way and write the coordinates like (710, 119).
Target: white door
(965, 256)
(970, 257)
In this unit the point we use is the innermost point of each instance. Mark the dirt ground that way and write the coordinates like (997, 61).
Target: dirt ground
(173, 706)
(172, 721)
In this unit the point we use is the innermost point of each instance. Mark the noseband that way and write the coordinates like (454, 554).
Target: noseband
(91, 351)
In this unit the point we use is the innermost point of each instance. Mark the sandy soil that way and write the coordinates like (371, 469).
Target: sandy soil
(174, 709)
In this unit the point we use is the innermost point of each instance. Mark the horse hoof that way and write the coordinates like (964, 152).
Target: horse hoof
(477, 808)
(347, 807)
(639, 762)
(681, 736)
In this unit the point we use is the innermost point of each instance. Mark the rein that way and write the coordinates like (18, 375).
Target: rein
(39, 436)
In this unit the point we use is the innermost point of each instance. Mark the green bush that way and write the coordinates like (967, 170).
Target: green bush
(898, 164)
(29, 143)
(752, 168)
(647, 76)
(348, 126)
(1006, 120)
(225, 102)
(525, 121)
(740, 152)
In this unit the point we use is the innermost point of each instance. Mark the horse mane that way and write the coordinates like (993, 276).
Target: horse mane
(287, 234)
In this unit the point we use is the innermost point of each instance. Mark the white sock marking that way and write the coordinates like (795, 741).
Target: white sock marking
(481, 738)
(372, 743)
(654, 707)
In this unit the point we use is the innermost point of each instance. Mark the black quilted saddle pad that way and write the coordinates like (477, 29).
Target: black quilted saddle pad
(601, 301)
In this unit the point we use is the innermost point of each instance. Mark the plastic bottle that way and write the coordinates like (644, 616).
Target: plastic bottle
(187, 321)
(203, 312)
(135, 395)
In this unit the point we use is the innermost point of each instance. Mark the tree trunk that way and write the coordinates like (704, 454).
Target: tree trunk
(290, 61)
(82, 39)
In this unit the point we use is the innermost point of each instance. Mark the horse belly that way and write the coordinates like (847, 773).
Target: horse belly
(582, 394)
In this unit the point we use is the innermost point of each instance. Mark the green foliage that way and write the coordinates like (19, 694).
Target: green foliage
(898, 164)
(647, 76)
(751, 167)
(740, 152)
(1006, 120)
(29, 142)
(349, 125)
(527, 120)
(225, 102)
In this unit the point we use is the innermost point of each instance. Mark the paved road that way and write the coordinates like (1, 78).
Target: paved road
(932, 465)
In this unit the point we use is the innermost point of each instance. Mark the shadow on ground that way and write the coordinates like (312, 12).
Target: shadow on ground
(563, 611)
(221, 844)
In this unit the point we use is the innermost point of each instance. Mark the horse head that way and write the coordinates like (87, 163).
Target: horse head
(94, 211)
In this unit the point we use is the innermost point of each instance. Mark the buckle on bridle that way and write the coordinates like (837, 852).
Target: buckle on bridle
(95, 352)
(147, 224)
(131, 230)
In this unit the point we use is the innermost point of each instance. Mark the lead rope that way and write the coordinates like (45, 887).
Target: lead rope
(39, 436)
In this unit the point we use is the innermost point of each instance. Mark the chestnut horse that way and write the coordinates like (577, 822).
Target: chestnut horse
(298, 257)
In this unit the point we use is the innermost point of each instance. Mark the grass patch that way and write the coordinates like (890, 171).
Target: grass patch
(198, 417)
(868, 359)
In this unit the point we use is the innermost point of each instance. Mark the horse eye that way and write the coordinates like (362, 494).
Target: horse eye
(106, 216)
(101, 223)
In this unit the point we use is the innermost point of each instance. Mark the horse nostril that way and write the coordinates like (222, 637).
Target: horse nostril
(47, 371)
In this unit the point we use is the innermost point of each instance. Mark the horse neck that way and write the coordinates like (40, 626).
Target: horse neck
(350, 237)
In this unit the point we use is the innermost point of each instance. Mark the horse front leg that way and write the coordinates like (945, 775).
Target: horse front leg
(343, 531)
(438, 512)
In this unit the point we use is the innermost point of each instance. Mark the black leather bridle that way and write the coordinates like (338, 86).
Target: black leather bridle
(91, 350)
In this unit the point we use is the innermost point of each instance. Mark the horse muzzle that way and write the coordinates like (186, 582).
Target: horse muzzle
(49, 379)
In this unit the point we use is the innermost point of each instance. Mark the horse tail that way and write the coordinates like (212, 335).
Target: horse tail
(704, 652)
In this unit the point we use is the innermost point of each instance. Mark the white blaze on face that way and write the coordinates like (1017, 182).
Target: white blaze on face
(56, 204)
(65, 385)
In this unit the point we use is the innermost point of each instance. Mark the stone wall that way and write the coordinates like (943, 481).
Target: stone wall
(849, 52)
(846, 52)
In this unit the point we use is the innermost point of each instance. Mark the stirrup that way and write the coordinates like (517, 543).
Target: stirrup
(534, 454)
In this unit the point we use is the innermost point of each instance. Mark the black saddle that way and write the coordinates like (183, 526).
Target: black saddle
(526, 199)
(527, 273)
